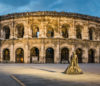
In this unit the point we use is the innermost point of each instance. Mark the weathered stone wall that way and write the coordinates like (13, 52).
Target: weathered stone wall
(43, 42)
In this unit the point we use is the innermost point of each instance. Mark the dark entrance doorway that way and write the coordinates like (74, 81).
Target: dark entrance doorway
(49, 55)
(19, 55)
(91, 56)
(79, 55)
(34, 55)
(64, 55)
(6, 55)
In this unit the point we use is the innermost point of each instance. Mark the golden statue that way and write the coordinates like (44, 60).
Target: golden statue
(73, 67)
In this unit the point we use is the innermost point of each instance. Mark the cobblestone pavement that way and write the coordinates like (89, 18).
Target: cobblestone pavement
(48, 75)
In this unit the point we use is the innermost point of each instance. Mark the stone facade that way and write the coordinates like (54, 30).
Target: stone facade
(45, 32)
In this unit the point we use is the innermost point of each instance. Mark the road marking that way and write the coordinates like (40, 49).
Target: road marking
(16, 79)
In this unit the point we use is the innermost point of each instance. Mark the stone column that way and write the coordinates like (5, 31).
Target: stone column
(85, 56)
(57, 54)
(11, 32)
(1, 54)
(26, 54)
(12, 54)
(42, 30)
(26, 30)
(30, 32)
(57, 29)
(85, 32)
(1, 34)
(56, 34)
(42, 54)
(97, 55)
(72, 31)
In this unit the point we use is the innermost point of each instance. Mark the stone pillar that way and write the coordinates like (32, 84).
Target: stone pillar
(26, 30)
(97, 55)
(85, 33)
(11, 32)
(57, 54)
(12, 54)
(30, 32)
(56, 34)
(85, 56)
(42, 54)
(26, 54)
(1, 54)
(42, 30)
(72, 31)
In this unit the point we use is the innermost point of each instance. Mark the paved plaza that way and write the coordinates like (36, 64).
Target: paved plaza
(47, 75)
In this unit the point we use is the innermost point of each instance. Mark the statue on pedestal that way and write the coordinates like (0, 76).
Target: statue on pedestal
(73, 67)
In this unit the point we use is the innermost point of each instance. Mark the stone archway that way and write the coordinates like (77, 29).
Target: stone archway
(65, 29)
(20, 30)
(64, 55)
(6, 32)
(6, 55)
(91, 56)
(79, 55)
(34, 55)
(50, 55)
(50, 32)
(19, 55)
(79, 32)
(90, 33)
(35, 31)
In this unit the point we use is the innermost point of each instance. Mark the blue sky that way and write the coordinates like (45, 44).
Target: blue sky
(89, 7)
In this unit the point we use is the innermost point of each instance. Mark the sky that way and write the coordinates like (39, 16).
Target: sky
(88, 7)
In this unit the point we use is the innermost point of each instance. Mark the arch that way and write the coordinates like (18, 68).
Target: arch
(90, 33)
(20, 30)
(79, 53)
(91, 56)
(79, 32)
(49, 55)
(34, 55)
(64, 31)
(19, 55)
(35, 31)
(6, 32)
(64, 55)
(6, 55)
(50, 32)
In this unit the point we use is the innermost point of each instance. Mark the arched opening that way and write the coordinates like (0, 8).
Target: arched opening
(50, 55)
(34, 55)
(50, 32)
(90, 34)
(19, 55)
(35, 31)
(79, 32)
(79, 55)
(20, 30)
(65, 31)
(91, 56)
(65, 55)
(6, 32)
(6, 55)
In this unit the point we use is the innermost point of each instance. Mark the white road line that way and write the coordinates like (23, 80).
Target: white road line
(16, 79)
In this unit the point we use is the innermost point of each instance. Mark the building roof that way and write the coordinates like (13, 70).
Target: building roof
(51, 13)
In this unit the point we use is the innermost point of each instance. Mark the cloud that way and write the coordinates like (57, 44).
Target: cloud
(15, 3)
(89, 7)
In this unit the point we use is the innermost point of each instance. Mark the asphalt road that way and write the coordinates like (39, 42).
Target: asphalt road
(47, 75)
(6, 80)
